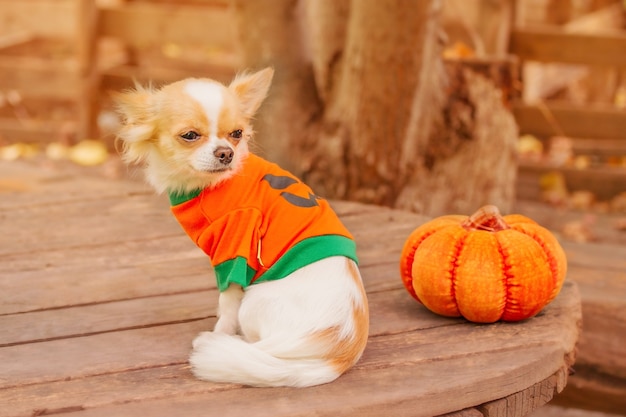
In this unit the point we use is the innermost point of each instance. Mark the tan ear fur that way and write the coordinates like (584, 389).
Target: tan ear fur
(251, 89)
(135, 107)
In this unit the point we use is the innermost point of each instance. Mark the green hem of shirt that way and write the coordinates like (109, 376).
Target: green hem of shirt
(313, 249)
(233, 271)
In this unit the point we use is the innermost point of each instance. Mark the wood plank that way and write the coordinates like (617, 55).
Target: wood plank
(103, 266)
(128, 355)
(592, 121)
(543, 80)
(87, 274)
(551, 410)
(602, 148)
(40, 80)
(607, 17)
(15, 38)
(604, 182)
(140, 348)
(524, 402)
(393, 312)
(168, 391)
(92, 275)
(117, 356)
(86, 320)
(603, 227)
(107, 223)
(14, 130)
(589, 389)
(161, 23)
(551, 44)
(42, 17)
(598, 255)
(41, 182)
(121, 77)
(96, 274)
(601, 345)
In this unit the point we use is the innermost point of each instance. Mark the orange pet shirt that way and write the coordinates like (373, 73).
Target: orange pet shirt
(260, 225)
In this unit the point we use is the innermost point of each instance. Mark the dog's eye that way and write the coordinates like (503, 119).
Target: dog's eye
(190, 136)
(236, 134)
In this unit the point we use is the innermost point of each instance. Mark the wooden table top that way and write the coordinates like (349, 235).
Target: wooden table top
(101, 294)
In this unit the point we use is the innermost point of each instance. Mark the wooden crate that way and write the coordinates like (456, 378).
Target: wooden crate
(75, 51)
(44, 56)
(596, 129)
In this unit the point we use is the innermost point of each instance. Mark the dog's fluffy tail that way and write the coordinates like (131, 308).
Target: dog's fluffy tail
(224, 358)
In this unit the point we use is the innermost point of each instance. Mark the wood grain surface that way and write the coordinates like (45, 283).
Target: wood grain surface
(101, 294)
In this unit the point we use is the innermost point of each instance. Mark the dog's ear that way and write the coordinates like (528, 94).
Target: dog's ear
(134, 105)
(251, 89)
(136, 109)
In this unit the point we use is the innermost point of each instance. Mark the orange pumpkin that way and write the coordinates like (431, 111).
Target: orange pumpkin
(485, 267)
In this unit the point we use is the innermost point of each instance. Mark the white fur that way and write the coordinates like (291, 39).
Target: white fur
(229, 304)
(276, 319)
(210, 96)
(204, 160)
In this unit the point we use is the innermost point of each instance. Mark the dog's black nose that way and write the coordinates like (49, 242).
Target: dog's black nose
(224, 154)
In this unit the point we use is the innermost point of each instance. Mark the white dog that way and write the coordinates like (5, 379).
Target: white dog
(292, 308)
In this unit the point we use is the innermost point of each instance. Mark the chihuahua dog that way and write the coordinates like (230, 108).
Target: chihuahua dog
(292, 308)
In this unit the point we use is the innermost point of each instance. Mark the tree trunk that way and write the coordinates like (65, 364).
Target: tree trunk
(363, 108)
(390, 46)
(271, 34)
(470, 157)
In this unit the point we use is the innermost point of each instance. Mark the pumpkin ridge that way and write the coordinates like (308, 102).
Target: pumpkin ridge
(507, 276)
(551, 257)
(459, 245)
(406, 273)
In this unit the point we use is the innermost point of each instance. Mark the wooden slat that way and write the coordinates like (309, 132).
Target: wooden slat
(363, 391)
(122, 77)
(592, 121)
(395, 314)
(43, 17)
(605, 182)
(599, 147)
(603, 228)
(39, 78)
(14, 130)
(608, 17)
(13, 39)
(146, 24)
(551, 44)
(393, 349)
(405, 318)
(118, 343)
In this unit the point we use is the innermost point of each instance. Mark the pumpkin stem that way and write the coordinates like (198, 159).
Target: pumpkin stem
(486, 218)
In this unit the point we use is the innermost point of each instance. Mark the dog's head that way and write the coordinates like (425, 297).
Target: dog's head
(193, 133)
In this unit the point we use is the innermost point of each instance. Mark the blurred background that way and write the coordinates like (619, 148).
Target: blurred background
(434, 106)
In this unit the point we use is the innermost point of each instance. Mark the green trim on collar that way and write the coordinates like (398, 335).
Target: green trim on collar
(179, 197)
